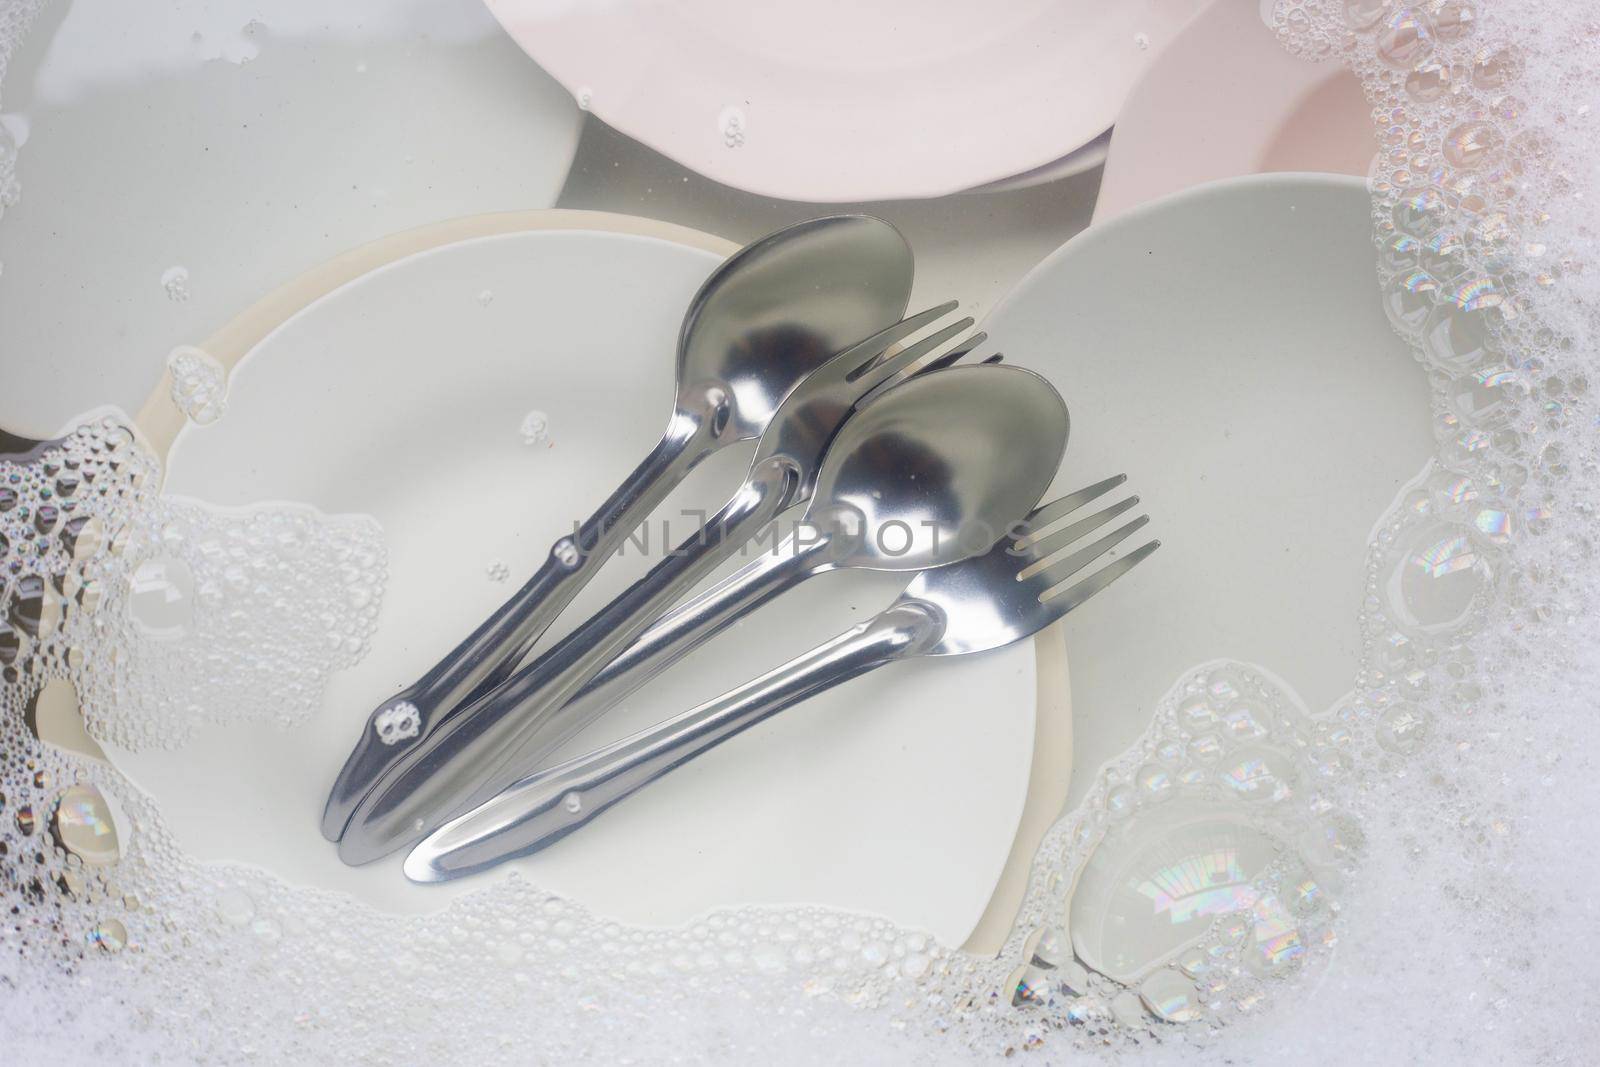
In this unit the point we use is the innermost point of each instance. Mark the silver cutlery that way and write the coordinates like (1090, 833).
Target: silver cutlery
(774, 312)
(1012, 591)
(469, 750)
(950, 504)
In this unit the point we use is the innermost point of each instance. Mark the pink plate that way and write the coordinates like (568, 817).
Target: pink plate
(1224, 99)
(839, 100)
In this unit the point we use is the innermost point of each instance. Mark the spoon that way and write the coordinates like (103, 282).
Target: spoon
(1017, 588)
(766, 318)
(894, 507)
(469, 752)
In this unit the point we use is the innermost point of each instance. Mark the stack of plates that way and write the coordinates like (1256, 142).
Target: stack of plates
(836, 100)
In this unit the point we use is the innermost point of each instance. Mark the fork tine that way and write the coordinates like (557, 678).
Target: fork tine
(885, 368)
(1056, 569)
(1065, 600)
(871, 351)
(939, 362)
(1047, 548)
(1060, 508)
(955, 354)
(996, 358)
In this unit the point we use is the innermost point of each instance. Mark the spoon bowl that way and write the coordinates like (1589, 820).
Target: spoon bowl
(937, 469)
(780, 308)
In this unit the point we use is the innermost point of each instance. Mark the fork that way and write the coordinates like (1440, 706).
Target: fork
(1017, 588)
(465, 758)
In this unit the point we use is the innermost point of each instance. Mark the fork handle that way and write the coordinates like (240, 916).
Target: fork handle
(467, 755)
(548, 805)
(674, 636)
(487, 657)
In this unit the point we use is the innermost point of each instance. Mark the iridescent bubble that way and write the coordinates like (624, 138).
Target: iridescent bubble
(1245, 721)
(1154, 784)
(1047, 947)
(1438, 573)
(1030, 987)
(1364, 14)
(84, 826)
(1470, 144)
(1485, 396)
(1152, 889)
(1274, 936)
(1452, 19)
(109, 935)
(1119, 802)
(1492, 68)
(1402, 728)
(1224, 685)
(1420, 210)
(1259, 774)
(1409, 298)
(1196, 714)
(1428, 81)
(1442, 254)
(1459, 333)
(1404, 38)
(1170, 997)
(1400, 252)
(1206, 747)
(1306, 895)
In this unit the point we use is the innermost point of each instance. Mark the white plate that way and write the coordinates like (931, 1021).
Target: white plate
(1263, 408)
(242, 142)
(401, 395)
(1224, 98)
(835, 100)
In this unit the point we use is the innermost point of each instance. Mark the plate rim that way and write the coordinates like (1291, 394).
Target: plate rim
(849, 185)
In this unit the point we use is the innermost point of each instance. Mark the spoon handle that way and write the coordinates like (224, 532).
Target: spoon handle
(550, 804)
(492, 651)
(673, 636)
(467, 755)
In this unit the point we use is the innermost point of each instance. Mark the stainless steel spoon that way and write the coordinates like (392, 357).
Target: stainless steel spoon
(898, 506)
(1010, 592)
(773, 313)
(469, 751)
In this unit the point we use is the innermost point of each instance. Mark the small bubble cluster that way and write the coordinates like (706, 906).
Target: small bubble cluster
(164, 612)
(731, 124)
(15, 18)
(175, 283)
(10, 188)
(535, 429)
(1197, 875)
(199, 384)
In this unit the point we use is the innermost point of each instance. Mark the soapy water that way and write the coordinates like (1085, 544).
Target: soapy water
(1404, 877)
